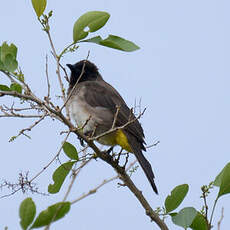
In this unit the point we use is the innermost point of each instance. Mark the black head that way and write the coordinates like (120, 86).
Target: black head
(83, 71)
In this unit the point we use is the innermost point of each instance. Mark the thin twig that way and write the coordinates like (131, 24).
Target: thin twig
(221, 218)
(115, 117)
(10, 77)
(205, 205)
(94, 190)
(21, 116)
(74, 176)
(22, 109)
(22, 132)
(64, 70)
(53, 159)
(117, 128)
(11, 194)
(13, 79)
(57, 64)
(47, 79)
(152, 145)
(104, 182)
(10, 112)
(65, 49)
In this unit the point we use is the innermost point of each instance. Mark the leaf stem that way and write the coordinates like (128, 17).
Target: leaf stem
(64, 50)
(213, 209)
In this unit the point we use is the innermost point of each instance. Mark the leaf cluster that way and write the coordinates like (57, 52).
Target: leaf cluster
(189, 217)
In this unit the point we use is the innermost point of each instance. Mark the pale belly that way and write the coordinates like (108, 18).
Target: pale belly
(79, 112)
(81, 116)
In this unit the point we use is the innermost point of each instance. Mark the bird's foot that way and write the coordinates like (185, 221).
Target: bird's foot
(81, 141)
(110, 150)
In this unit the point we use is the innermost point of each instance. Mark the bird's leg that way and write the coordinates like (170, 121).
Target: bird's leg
(110, 150)
(79, 138)
(126, 160)
(119, 155)
(90, 133)
(81, 141)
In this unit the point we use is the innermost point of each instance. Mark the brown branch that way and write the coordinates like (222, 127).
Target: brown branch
(30, 97)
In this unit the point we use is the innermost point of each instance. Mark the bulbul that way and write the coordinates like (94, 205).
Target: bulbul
(97, 107)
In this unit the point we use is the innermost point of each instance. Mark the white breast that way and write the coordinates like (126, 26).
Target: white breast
(80, 114)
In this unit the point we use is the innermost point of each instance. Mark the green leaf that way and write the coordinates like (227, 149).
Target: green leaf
(114, 42)
(199, 223)
(13, 50)
(96, 40)
(59, 176)
(218, 179)
(16, 87)
(8, 54)
(39, 6)
(225, 181)
(70, 151)
(185, 217)
(177, 196)
(8, 49)
(51, 214)
(94, 20)
(119, 43)
(2, 67)
(4, 88)
(27, 212)
(10, 63)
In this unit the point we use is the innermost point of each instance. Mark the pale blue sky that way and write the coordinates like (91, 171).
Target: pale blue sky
(181, 73)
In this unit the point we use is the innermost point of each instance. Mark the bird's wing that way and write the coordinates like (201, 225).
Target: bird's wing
(101, 94)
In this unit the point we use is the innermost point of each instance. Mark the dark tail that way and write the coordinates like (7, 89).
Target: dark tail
(147, 169)
(136, 147)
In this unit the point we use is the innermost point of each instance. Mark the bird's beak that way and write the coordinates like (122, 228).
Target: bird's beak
(71, 67)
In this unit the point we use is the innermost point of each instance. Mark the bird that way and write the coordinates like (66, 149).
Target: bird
(96, 107)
